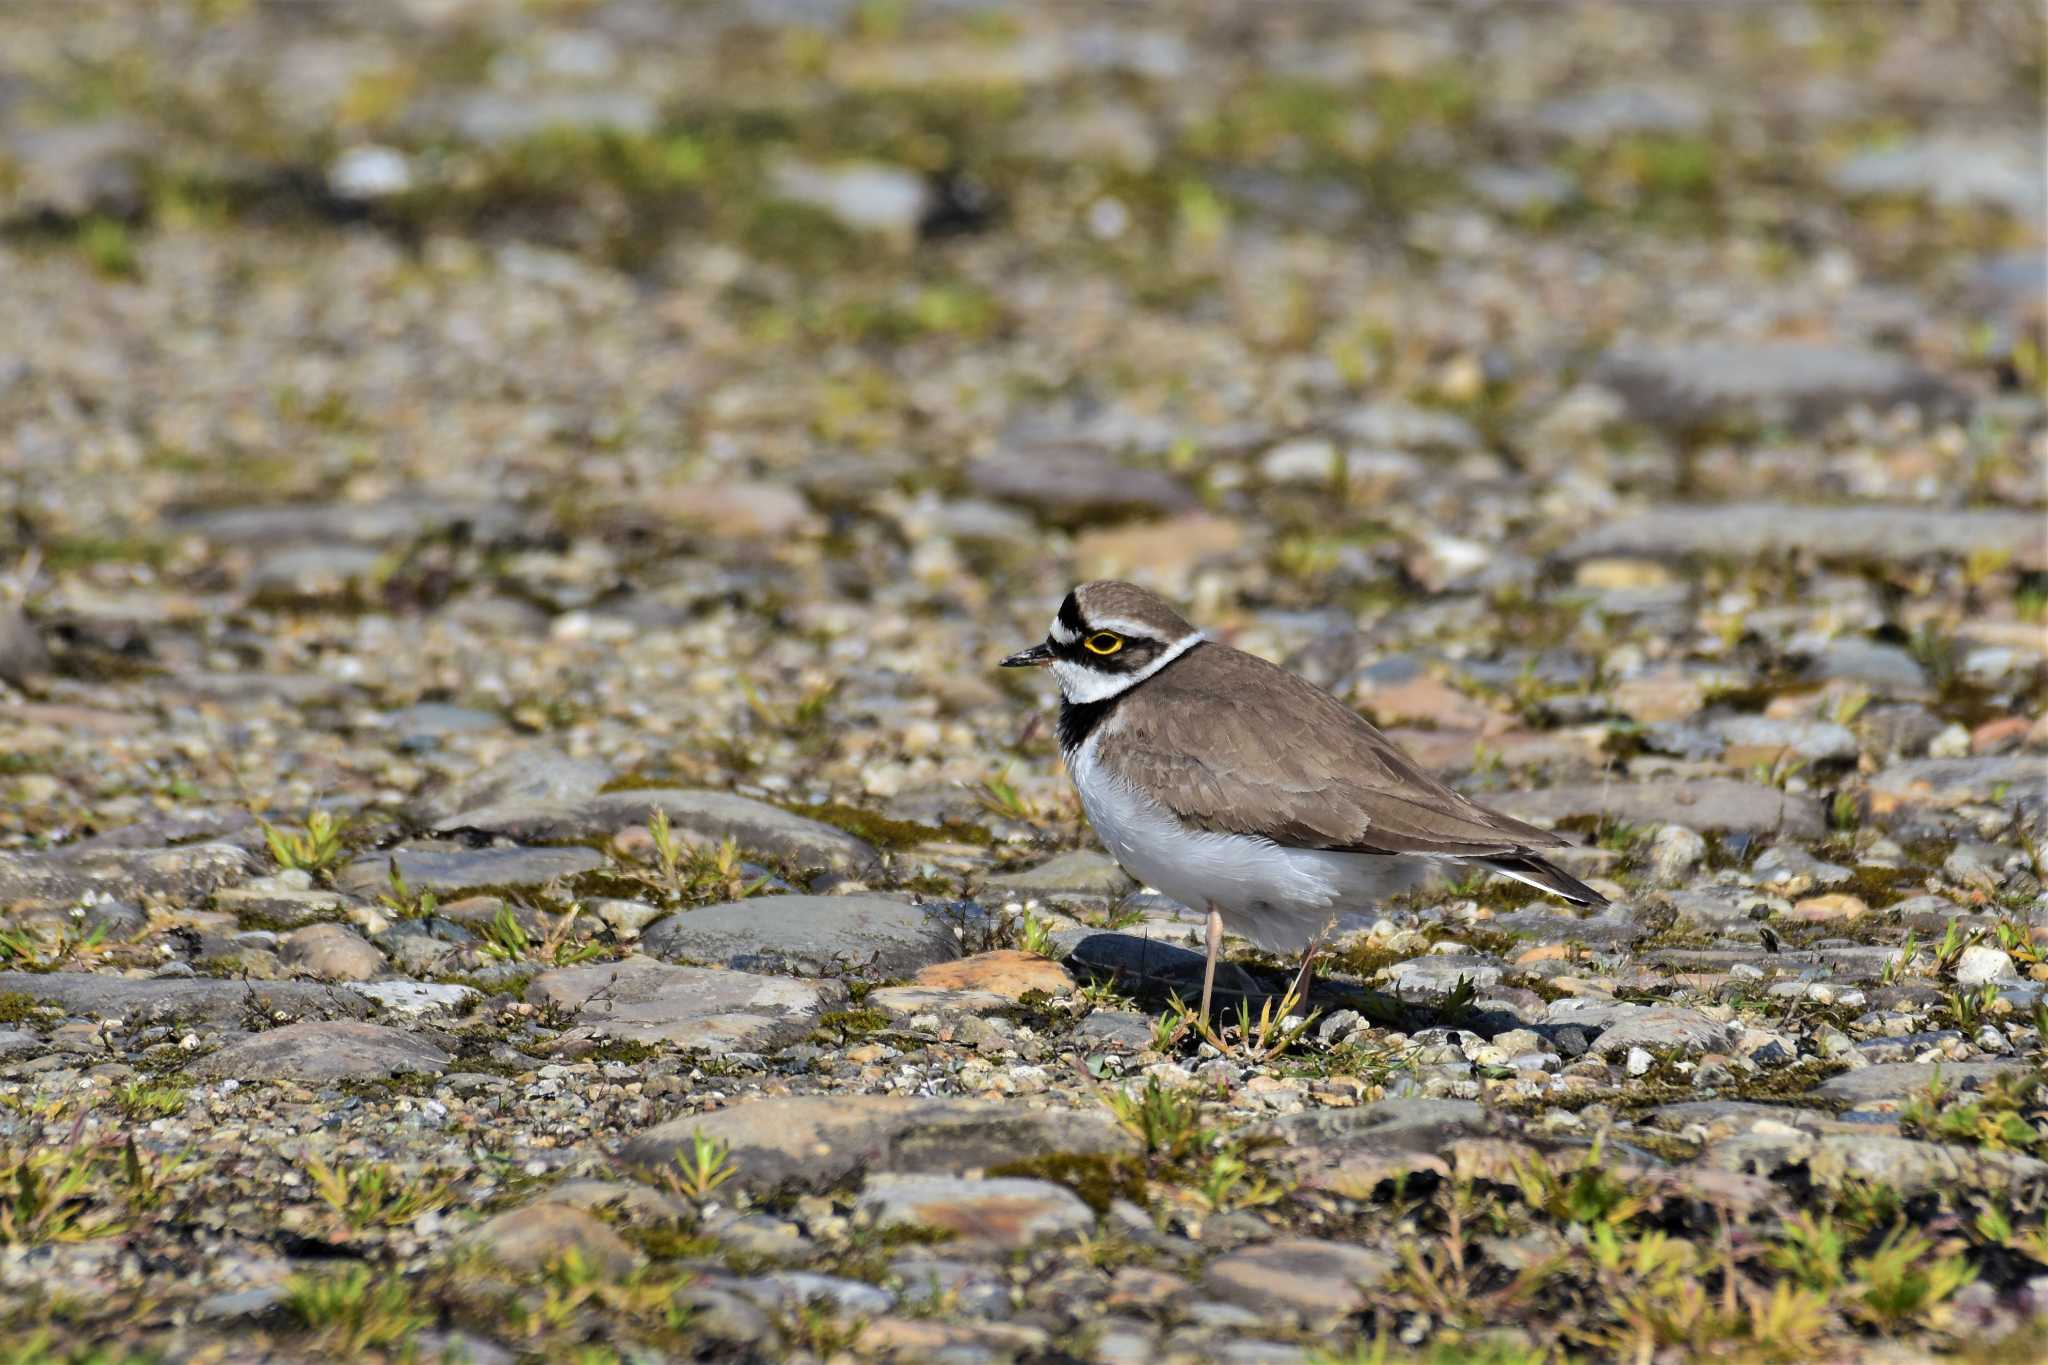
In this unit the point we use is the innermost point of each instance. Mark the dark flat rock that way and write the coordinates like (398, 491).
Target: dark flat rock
(447, 871)
(100, 996)
(1945, 783)
(1710, 803)
(341, 1050)
(812, 935)
(1320, 1281)
(1746, 531)
(703, 1008)
(820, 1142)
(1069, 482)
(1783, 383)
(189, 872)
(698, 817)
(1901, 1080)
(537, 774)
(1002, 1214)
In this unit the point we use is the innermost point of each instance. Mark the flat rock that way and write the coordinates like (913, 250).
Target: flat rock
(704, 1008)
(1431, 980)
(995, 1214)
(537, 774)
(189, 872)
(1066, 483)
(1834, 1160)
(1901, 1080)
(531, 1238)
(1765, 739)
(1006, 973)
(1320, 1281)
(452, 870)
(819, 1142)
(418, 999)
(1706, 804)
(901, 1002)
(1868, 533)
(1945, 783)
(1952, 169)
(697, 817)
(332, 953)
(812, 935)
(1083, 872)
(1778, 383)
(341, 1050)
(393, 521)
(1350, 1151)
(98, 996)
(1662, 1029)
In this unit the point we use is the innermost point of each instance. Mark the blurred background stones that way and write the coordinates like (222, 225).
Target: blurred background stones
(509, 509)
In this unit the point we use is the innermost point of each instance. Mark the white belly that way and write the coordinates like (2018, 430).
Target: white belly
(1280, 898)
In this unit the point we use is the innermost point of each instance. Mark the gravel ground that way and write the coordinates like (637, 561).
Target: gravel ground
(512, 846)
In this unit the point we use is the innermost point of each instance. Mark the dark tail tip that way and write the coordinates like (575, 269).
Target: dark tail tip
(1528, 868)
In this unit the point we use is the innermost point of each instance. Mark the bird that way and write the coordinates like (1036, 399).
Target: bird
(1244, 791)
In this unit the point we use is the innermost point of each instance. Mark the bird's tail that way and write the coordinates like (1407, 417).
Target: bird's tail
(1527, 867)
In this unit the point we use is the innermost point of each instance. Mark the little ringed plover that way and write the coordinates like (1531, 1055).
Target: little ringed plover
(1243, 791)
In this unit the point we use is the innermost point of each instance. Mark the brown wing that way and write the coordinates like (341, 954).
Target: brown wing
(1233, 744)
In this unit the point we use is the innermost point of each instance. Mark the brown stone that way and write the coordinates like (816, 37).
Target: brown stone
(1321, 1281)
(538, 1235)
(1007, 1214)
(1005, 972)
(1663, 695)
(1834, 906)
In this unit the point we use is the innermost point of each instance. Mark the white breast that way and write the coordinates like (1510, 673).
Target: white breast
(1280, 898)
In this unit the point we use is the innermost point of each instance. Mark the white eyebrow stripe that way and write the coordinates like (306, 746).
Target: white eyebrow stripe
(1124, 627)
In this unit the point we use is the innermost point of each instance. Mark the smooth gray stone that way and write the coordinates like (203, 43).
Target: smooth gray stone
(447, 871)
(1753, 530)
(101, 996)
(700, 1008)
(697, 817)
(812, 935)
(340, 1050)
(1795, 383)
(189, 872)
(1705, 804)
(1900, 1080)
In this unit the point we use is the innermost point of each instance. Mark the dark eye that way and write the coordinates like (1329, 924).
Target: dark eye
(1104, 642)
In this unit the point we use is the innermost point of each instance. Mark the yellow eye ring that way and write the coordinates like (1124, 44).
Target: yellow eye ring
(1104, 642)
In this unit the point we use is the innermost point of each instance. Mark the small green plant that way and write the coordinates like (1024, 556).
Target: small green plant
(1228, 1181)
(690, 874)
(150, 1179)
(355, 1309)
(1810, 1251)
(1900, 962)
(1167, 1123)
(1587, 1193)
(2007, 1115)
(507, 940)
(1000, 796)
(1968, 1009)
(1173, 1024)
(315, 849)
(1034, 936)
(1902, 1281)
(49, 1194)
(2019, 944)
(401, 900)
(1268, 1035)
(28, 952)
(141, 1100)
(1954, 943)
(694, 1174)
(373, 1194)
